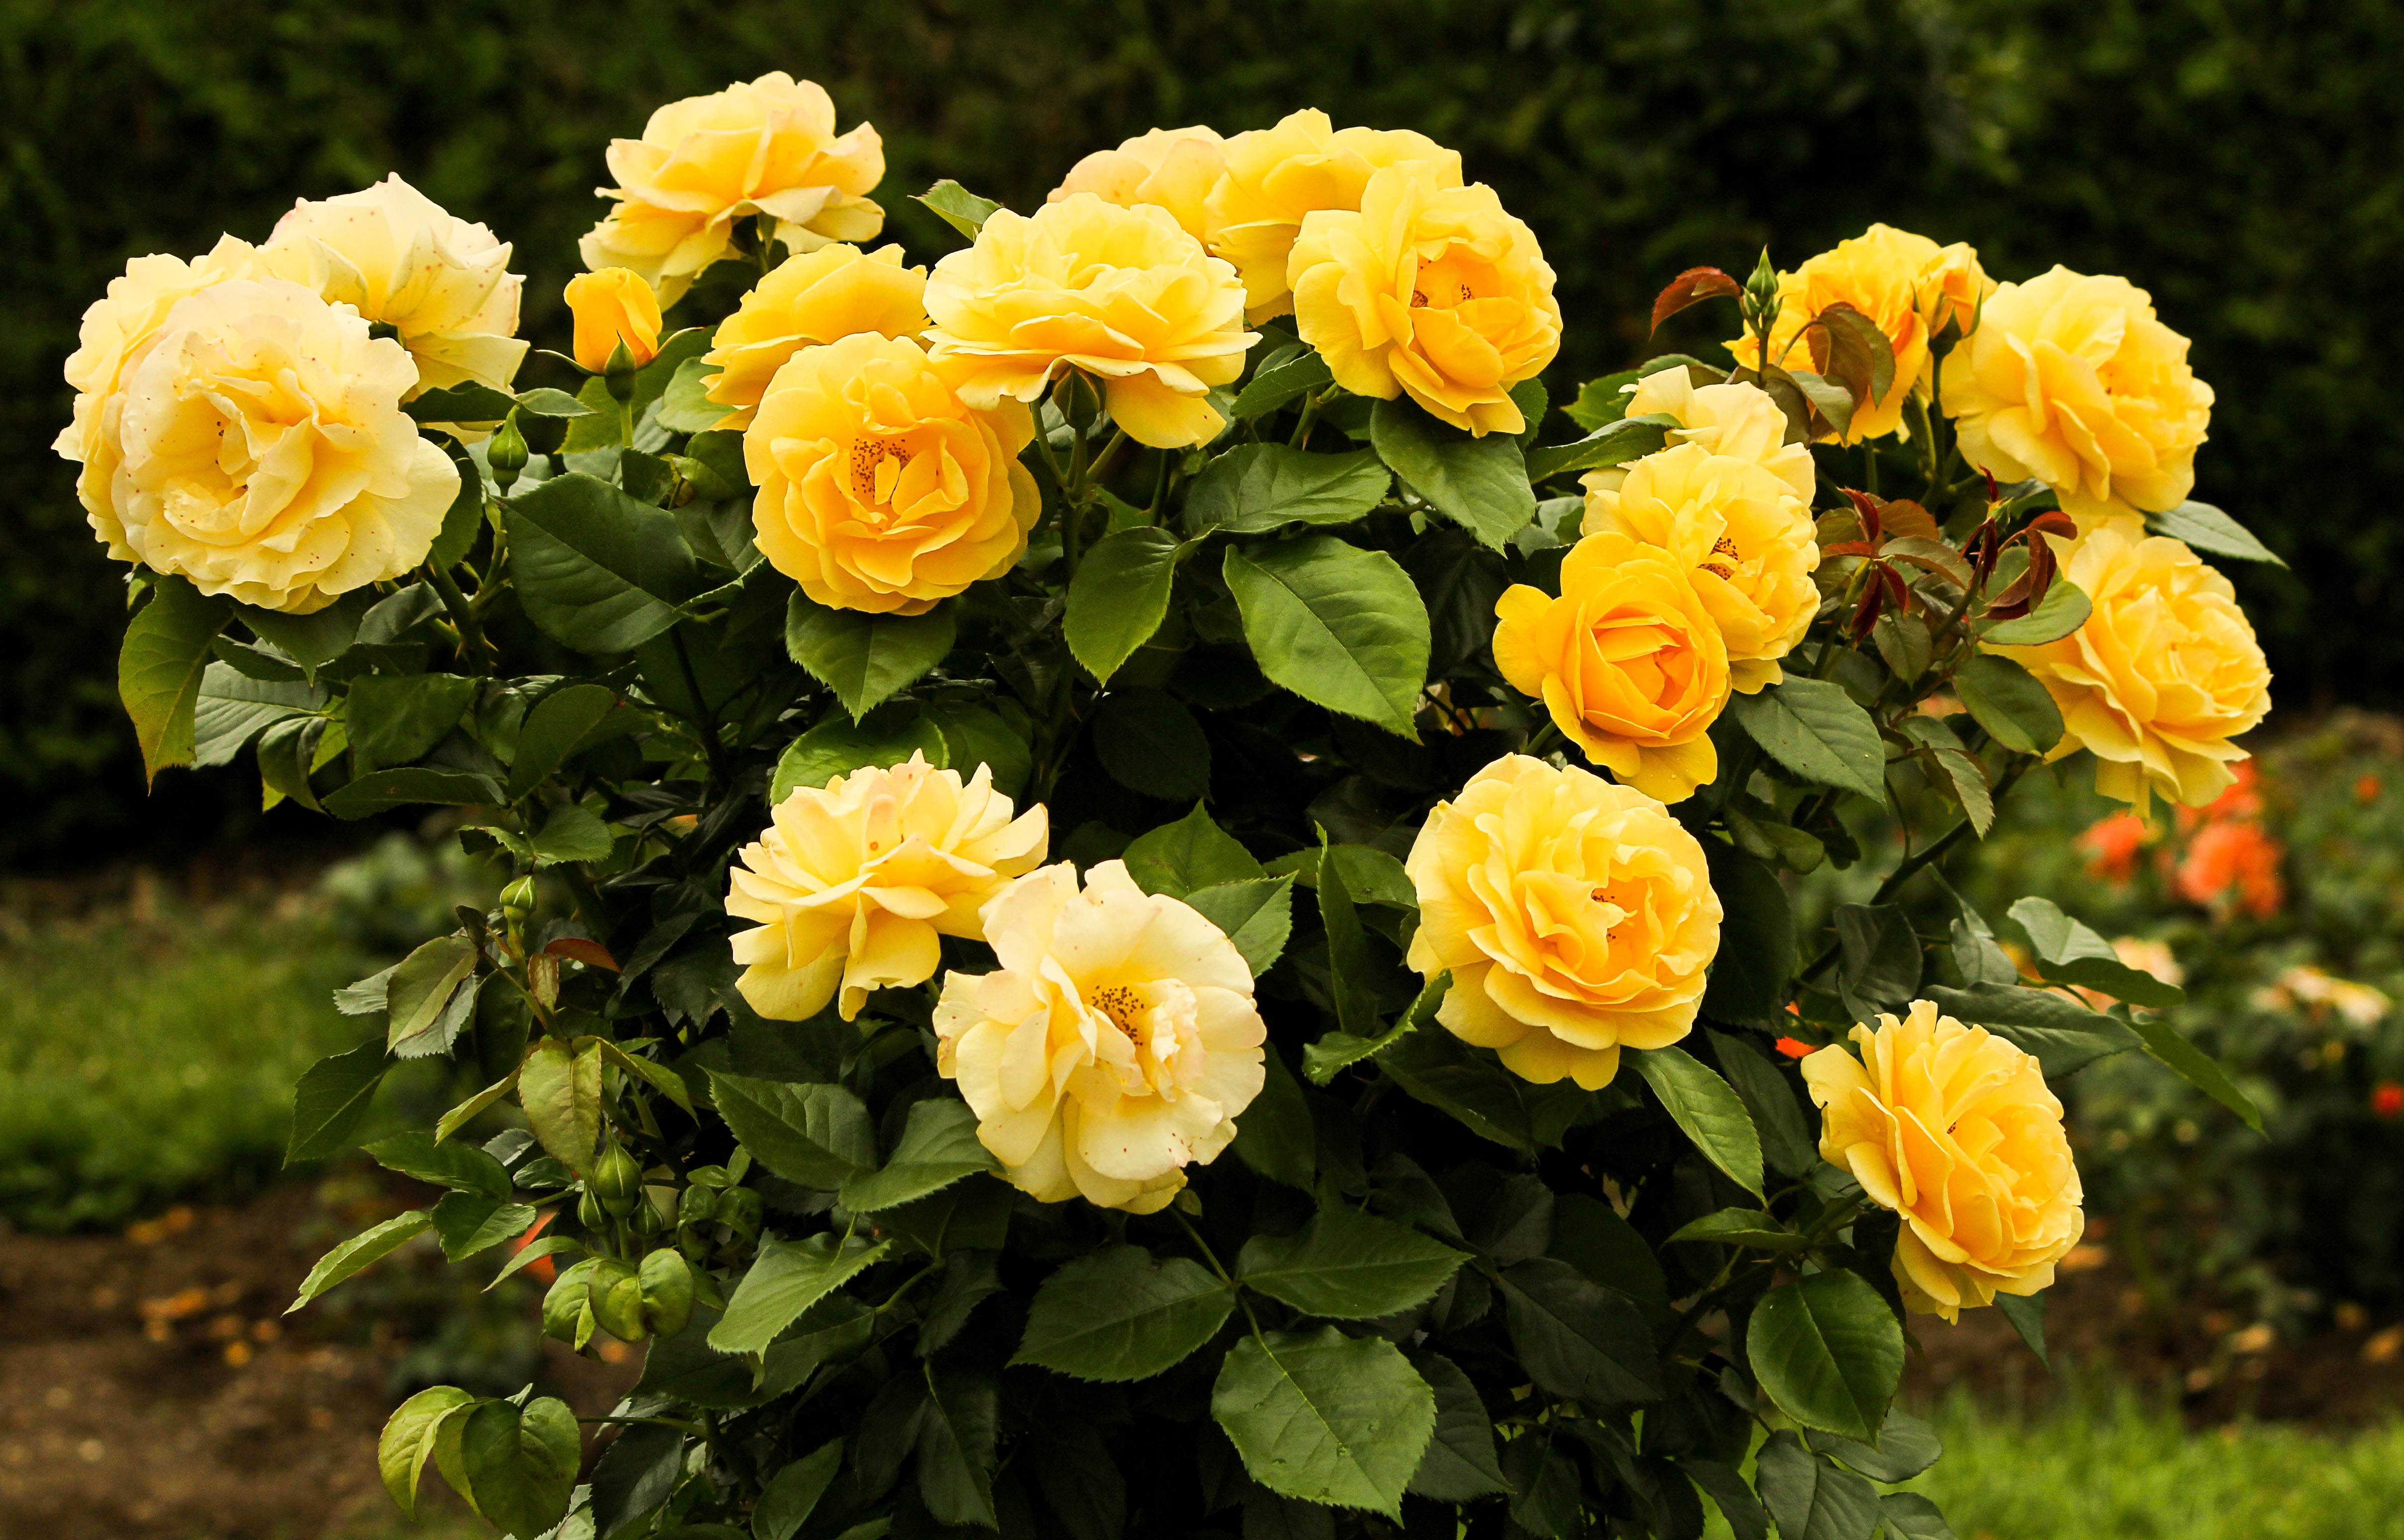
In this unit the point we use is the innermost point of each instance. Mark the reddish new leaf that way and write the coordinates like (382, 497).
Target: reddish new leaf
(590, 953)
(1692, 288)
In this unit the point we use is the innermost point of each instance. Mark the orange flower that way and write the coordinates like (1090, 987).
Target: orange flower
(2112, 844)
(2367, 789)
(2243, 799)
(2234, 863)
(2387, 1099)
(1794, 1047)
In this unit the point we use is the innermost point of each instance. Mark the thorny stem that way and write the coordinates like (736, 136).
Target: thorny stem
(473, 650)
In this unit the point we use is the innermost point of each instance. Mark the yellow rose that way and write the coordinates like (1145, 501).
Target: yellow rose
(1122, 294)
(1954, 289)
(251, 437)
(852, 885)
(1892, 276)
(1276, 176)
(766, 146)
(817, 296)
(1577, 918)
(2072, 381)
(1730, 419)
(1427, 290)
(395, 257)
(1114, 1047)
(611, 307)
(1172, 167)
(879, 488)
(1745, 533)
(1954, 1130)
(2164, 673)
(1628, 660)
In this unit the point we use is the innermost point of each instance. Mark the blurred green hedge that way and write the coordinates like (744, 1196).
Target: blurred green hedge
(2238, 158)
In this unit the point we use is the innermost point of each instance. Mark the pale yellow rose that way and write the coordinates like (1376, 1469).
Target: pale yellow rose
(2072, 380)
(833, 292)
(1429, 290)
(613, 306)
(1122, 294)
(2164, 673)
(1747, 538)
(1628, 662)
(1730, 418)
(252, 439)
(1576, 918)
(766, 146)
(853, 885)
(1172, 167)
(1277, 176)
(879, 488)
(1953, 1129)
(399, 260)
(1115, 1045)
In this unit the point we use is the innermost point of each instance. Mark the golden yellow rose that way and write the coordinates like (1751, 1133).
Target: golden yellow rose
(613, 306)
(2072, 381)
(765, 147)
(852, 885)
(1277, 176)
(1576, 918)
(833, 292)
(1892, 276)
(399, 260)
(1745, 533)
(1954, 289)
(1430, 291)
(1115, 1045)
(2165, 671)
(1628, 660)
(1954, 1130)
(879, 488)
(1172, 167)
(247, 435)
(1731, 418)
(1122, 294)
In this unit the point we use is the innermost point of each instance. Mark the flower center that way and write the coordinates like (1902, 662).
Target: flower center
(1123, 1005)
(870, 481)
(1723, 546)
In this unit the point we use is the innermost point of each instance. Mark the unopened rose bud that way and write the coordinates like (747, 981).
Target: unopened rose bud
(617, 1180)
(518, 897)
(506, 453)
(618, 1301)
(667, 1291)
(616, 312)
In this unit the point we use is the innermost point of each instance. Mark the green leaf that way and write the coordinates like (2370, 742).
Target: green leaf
(1576, 1339)
(957, 1433)
(2205, 528)
(358, 1253)
(315, 639)
(1810, 1498)
(333, 1101)
(1708, 1109)
(409, 1436)
(974, 736)
(418, 999)
(393, 721)
(2026, 1312)
(2064, 609)
(1326, 1418)
(1906, 1446)
(1119, 1315)
(1347, 1265)
(462, 1168)
(470, 1222)
(1479, 483)
(1119, 597)
(1769, 1099)
(556, 727)
(788, 1278)
(1440, 1070)
(2064, 1036)
(1275, 1136)
(1909, 1516)
(1459, 1465)
(1255, 488)
(1341, 627)
(572, 832)
(1333, 1051)
(939, 1145)
(635, 1476)
(532, 1252)
(958, 207)
(2073, 953)
(411, 785)
(520, 1465)
(1740, 1227)
(2198, 1068)
(1150, 742)
(1880, 966)
(1816, 730)
(1605, 400)
(1194, 852)
(159, 669)
(685, 406)
(865, 658)
(594, 569)
(1275, 386)
(2006, 698)
(466, 402)
(1829, 1352)
(1954, 770)
(1590, 1236)
(1614, 443)
(1257, 914)
(561, 1092)
(1351, 967)
(793, 1493)
(1371, 875)
(1725, 1485)
(547, 402)
(836, 747)
(233, 708)
(818, 1136)
(1756, 955)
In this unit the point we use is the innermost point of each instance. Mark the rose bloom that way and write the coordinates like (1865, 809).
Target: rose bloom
(395, 257)
(1576, 918)
(1115, 1045)
(1122, 294)
(833, 292)
(1747, 537)
(879, 488)
(2387, 1099)
(1174, 169)
(852, 884)
(1731, 418)
(767, 146)
(2112, 844)
(1953, 1129)
(2072, 381)
(250, 436)
(2232, 864)
(2164, 673)
(2242, 800)
(613, 306)
(1429, 290)
(1276, 177)
(1628, 660)
(1896, 279)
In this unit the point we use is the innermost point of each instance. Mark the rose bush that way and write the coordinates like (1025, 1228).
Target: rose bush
(1133, 917)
